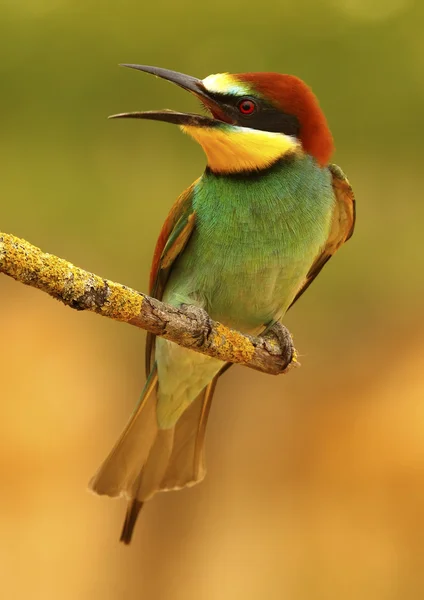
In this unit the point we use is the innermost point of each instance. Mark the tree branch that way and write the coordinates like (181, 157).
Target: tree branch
(188, 326)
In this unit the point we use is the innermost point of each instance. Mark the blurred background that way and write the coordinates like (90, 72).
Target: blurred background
(315, 486)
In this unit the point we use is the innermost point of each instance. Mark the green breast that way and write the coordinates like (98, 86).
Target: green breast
(255, 239)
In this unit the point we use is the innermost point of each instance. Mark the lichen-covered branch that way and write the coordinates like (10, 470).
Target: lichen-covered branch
(188, 326)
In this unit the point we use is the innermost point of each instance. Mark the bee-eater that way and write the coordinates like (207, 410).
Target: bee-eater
(244, 242)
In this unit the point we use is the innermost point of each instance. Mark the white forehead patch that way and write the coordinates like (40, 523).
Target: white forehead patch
(224, 83)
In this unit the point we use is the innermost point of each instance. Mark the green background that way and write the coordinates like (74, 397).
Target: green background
(316, 480)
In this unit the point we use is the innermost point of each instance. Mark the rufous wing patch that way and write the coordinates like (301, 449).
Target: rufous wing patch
(181, 206)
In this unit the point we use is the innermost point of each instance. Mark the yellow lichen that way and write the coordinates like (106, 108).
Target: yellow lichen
(233, 345)
(122, 303)
(29, 265)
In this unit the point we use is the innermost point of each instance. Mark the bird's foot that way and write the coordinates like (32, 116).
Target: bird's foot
(285, 342)
(201, 319)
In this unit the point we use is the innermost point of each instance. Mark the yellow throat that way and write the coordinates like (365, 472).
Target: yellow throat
(232, 149)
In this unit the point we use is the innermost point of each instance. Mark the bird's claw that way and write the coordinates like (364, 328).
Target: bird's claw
(285, 342)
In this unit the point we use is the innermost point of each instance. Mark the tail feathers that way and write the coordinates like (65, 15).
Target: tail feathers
(149, 480)
(120, 472)
(186, 466)
(155, 467)
(133, 509)
(147, 459)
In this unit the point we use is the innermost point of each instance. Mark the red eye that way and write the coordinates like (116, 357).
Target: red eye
(247, 107)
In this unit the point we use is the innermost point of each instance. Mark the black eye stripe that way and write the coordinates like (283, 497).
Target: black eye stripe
(266, 116)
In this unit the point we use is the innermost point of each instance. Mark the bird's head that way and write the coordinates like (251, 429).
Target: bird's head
(255, 119)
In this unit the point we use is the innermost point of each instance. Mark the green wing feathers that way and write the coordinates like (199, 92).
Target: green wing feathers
(343, 225)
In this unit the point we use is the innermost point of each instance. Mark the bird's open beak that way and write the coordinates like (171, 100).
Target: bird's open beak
(189, 83)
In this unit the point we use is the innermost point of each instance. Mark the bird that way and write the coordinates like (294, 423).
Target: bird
(243, 242)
